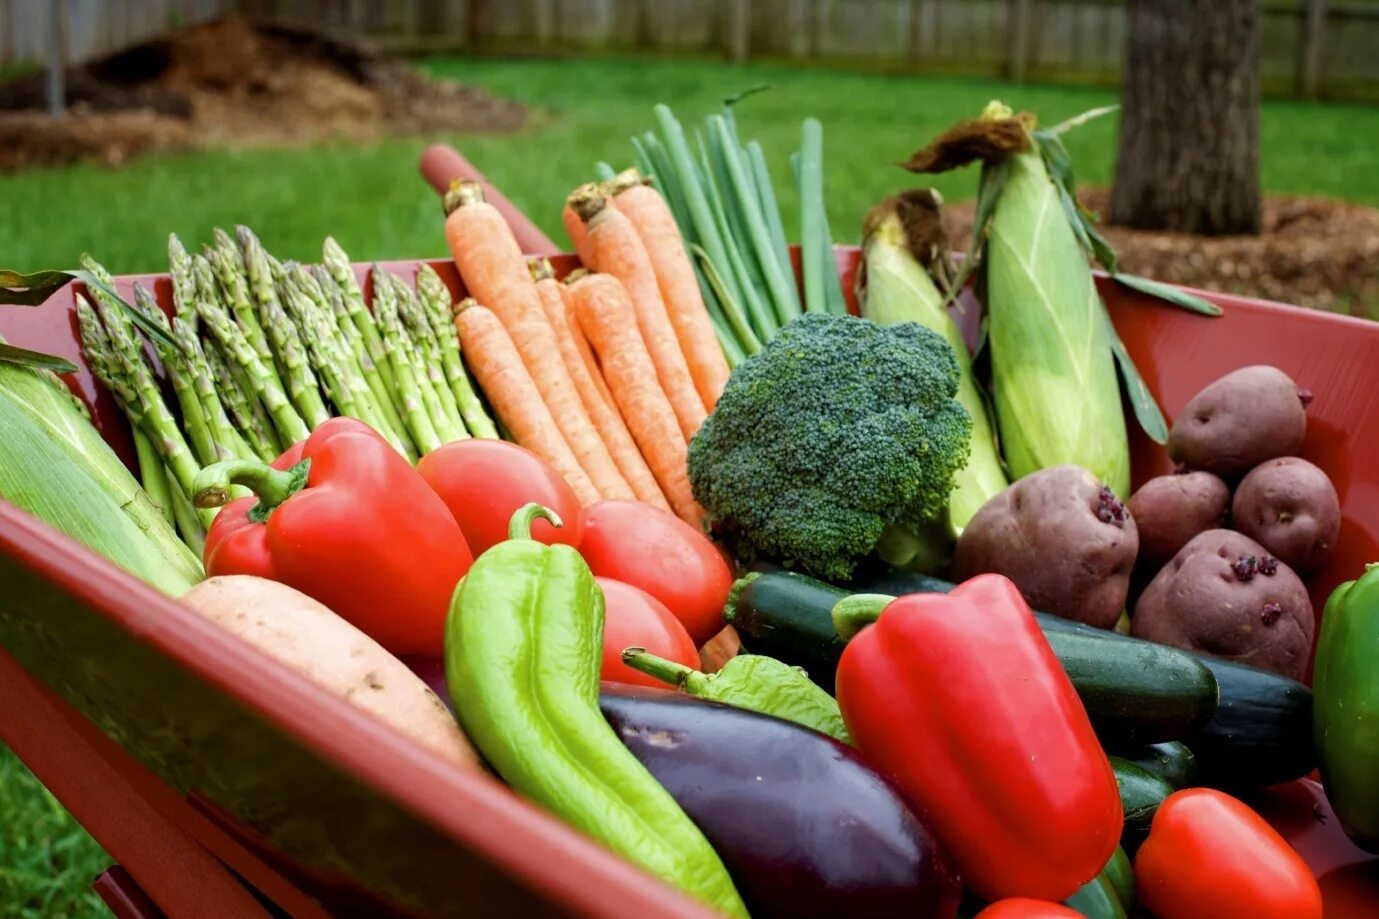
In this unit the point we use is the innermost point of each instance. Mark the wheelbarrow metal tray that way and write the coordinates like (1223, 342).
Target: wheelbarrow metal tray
(354, 813)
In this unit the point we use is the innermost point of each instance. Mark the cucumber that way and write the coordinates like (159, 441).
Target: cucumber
(1121, 873)
(1097, 899)
(1260, 733)
(1172, 761)
(789, 616)
(1141, 793)
(1134, 693)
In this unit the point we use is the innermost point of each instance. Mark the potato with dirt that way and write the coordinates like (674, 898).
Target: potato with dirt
(1065, 540)
(1171, 509)
(1289, 507)
(1248, 416)
(1224, 595)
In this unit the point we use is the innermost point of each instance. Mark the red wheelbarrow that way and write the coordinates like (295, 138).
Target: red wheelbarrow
(225, 784)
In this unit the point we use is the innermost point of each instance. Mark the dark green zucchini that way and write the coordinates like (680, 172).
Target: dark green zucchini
(1171, 761)
(1134, 694)
(1121, 873)
(1260, 734)
(1141, 793)
(789, 616)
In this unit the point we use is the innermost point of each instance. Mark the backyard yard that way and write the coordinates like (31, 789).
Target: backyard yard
(371, 199)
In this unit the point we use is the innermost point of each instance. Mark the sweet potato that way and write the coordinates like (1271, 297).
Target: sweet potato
(1171, 509)
(296, 630)
(1065, 540)
(1223, 594)
(1289, 507)
(1248, 416)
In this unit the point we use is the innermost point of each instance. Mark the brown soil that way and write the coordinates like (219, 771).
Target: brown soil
(230, 83)
(1314, 252)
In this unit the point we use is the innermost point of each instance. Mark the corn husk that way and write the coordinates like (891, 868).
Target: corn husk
(1053, 350)
(54, 465)
(901, 236)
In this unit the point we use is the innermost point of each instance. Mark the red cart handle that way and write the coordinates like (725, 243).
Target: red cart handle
(441, 164)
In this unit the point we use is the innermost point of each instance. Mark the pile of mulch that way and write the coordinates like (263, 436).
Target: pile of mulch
(1314, 252)
(233, 83)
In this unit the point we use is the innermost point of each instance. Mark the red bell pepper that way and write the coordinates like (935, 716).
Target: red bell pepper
(960, 698)
(352, 525)
(1027, 909)
(1209, 854)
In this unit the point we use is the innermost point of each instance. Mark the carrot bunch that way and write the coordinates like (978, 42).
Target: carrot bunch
(607, 375)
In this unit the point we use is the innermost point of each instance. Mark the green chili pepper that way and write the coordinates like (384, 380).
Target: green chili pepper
(523, 651)
(752, 681)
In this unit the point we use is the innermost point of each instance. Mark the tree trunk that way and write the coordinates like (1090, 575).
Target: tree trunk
(1189, 131)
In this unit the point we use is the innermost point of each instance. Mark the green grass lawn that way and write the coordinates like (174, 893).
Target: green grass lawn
(372, 199)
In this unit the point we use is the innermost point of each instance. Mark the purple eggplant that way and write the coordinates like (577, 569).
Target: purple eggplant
(803, 824)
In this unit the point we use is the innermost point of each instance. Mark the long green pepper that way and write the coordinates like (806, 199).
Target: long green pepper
(523, 650)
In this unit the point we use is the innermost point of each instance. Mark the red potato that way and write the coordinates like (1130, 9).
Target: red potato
(484, 482)
(1290, 507)
(1171, 509)
(1062, 537)
(653, 549)
(1223, 594)
(1248, 416)
(634, 618)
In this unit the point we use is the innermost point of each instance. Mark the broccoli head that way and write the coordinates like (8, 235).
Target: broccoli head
(835, 430)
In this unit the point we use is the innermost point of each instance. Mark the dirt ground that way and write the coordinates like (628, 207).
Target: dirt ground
(1314, 252)
(229, 83)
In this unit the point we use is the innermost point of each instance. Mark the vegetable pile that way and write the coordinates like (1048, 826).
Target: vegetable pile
(805, 613)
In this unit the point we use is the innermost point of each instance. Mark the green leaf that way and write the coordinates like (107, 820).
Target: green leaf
(9, 354)
(150, 328)
(1059, 164)
(1078, 121)
(993, 182)
(30, 289)
(737, 97)
(1175, 296)
(1147, 413)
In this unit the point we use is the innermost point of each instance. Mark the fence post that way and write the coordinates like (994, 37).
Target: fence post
(543, 13)
(1017, 39)
(57, 57)
(738, 25)
(1312, 58)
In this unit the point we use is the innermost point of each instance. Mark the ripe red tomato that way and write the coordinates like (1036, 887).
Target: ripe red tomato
(1209, 854)
(653, 549)
(484, 482)
(1024, 908)
(635, 618)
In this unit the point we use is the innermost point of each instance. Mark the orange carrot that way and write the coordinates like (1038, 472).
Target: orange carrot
(605, 313)
(496, 274)
(642, 484)
(615, 249)
(497, 365)
(574, 228)
(651, 218)
(586, 353)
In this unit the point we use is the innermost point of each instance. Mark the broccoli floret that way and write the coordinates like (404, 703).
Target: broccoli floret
(836, 429)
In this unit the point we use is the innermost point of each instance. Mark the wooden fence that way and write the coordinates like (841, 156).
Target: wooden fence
(1311, 47)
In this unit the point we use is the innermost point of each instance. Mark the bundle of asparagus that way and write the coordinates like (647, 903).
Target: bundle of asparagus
(260, 352)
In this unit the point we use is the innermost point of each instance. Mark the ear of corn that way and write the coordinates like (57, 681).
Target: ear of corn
(899, 289)
(54, 465)
(1053, 373)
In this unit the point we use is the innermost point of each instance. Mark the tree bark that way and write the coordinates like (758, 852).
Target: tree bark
(1189, 131)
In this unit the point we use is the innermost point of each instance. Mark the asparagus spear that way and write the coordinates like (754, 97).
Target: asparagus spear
(418, 327)
(228, 442)
(152, 475)
(435, 299)
(284, 337)
(338, 264)
(105, 331)
(331, 368)
(183, 284)
(413, 409)
(352, 341)
(229, 271)
(446, 429)
(263, 384)
(189, 519)
(174, 362)
(250, 427)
